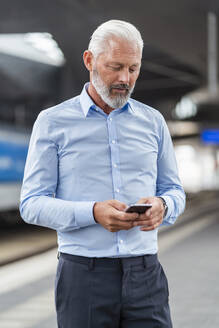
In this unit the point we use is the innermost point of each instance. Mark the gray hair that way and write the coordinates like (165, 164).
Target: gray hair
(113, 28)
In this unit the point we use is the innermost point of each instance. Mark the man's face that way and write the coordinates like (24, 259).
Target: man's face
(115, 72)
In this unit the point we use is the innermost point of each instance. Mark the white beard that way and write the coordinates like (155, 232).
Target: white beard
(117, 101)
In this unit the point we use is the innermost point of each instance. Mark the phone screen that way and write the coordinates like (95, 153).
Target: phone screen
(138, 208)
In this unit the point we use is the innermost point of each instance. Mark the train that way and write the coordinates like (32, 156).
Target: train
(13, 152)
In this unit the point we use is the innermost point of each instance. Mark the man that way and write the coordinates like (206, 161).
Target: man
(89, 158)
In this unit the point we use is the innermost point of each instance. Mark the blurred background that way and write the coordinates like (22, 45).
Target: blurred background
(41, 47)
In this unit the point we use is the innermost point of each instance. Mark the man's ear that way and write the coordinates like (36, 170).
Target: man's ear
(88, 60)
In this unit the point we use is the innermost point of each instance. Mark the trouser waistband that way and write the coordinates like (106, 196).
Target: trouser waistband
(145, 260)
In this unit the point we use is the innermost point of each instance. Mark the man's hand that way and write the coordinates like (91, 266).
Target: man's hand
(153, 217)
(112, 216)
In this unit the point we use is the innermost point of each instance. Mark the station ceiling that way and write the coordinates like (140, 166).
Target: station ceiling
(174, 32)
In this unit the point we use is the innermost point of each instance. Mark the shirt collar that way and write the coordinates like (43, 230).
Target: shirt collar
(87, 102)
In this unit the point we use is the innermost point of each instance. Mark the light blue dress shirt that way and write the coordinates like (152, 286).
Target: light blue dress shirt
(79, 155)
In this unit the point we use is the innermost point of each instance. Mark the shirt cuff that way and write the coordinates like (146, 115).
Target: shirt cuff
(168, 219)
(84, 213)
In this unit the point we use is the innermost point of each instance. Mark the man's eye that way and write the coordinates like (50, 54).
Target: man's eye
(115, 68)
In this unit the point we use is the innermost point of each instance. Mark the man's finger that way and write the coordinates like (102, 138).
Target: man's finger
(123, 216)
(148, 222)
(116, 225)
(150, 213)
(144, 200)
(124, 225)
(118, 205)
(151, 227)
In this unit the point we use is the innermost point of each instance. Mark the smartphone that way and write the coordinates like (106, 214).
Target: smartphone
(138, 208)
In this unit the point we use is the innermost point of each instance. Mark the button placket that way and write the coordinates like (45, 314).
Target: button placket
(115, 166)
(114, 147)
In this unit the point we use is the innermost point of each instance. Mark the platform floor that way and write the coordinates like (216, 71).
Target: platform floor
(188, 254)
(192, 267)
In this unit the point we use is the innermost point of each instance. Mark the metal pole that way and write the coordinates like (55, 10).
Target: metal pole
(212, 53)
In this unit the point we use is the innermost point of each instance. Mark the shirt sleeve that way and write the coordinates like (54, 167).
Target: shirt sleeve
(169, 185)
(38, 204)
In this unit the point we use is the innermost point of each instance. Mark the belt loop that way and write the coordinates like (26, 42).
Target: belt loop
(58, 255)
(91, 263)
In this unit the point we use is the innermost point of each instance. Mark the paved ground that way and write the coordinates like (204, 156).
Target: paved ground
(192, 267)
(26, 292)
(189, 255)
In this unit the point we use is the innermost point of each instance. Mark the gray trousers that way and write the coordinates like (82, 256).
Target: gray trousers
(111, 293)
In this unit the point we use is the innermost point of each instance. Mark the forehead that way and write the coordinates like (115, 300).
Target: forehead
(121, 50)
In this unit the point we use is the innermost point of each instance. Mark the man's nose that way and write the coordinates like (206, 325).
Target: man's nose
(124, 76)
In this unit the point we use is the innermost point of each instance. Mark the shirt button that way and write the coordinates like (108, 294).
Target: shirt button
(114, 165)
(110, 119)
(121, 241)
(117, 190)
(113, 141)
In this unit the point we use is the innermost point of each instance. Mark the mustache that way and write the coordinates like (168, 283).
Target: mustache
(120, 86)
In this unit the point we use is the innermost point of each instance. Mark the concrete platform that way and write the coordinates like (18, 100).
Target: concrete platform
(192, 267)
